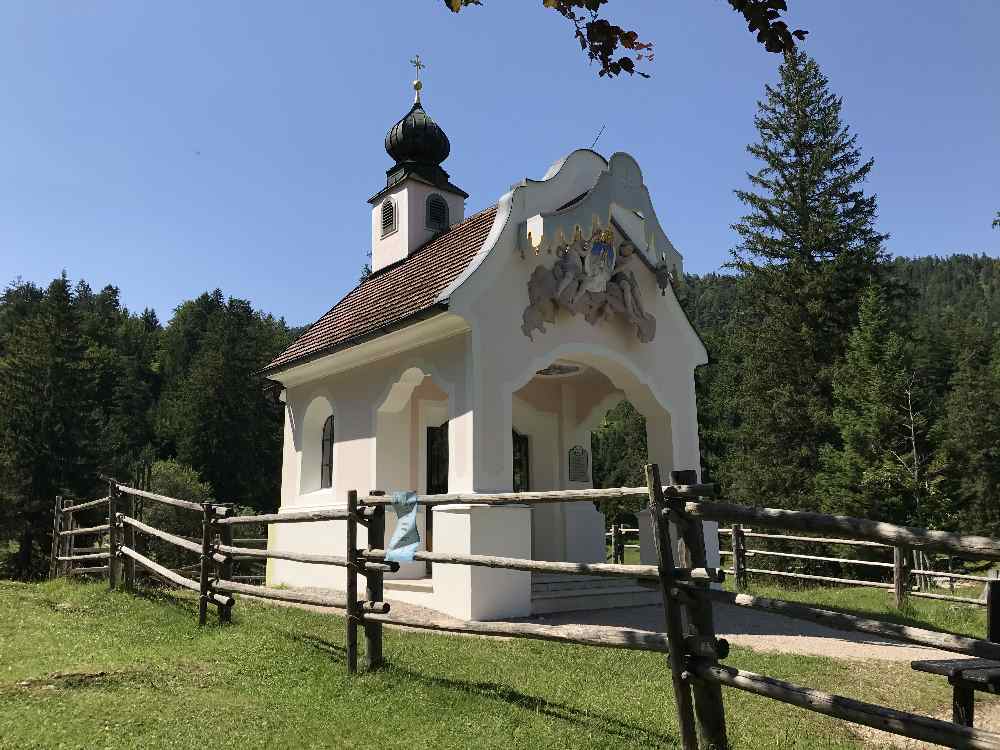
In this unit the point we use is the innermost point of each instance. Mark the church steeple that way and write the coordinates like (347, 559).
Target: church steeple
(418, 200)
(418, 145)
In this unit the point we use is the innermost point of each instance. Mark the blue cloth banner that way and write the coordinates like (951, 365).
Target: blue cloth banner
(406, 536)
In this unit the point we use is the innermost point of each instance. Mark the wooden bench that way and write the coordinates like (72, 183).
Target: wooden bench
(966, 676)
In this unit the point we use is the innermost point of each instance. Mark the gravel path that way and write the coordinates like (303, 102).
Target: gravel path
(761, 631)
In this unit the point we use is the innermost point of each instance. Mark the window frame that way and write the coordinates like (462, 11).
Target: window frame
(326, 455)
(391, 204)
(436, 197)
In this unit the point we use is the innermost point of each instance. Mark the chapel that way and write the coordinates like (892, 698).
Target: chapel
(477, 356)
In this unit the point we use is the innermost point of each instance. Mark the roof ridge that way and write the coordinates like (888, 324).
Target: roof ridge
(412, 286)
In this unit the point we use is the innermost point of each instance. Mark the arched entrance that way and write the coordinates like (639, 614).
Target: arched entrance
(555, 410)
(412, 449)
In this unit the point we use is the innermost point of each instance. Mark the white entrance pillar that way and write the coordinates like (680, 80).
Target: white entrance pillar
(473, 593)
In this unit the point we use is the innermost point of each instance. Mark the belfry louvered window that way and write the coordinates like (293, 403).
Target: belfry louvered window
(437, 212)
(388, 217)
(326, 456)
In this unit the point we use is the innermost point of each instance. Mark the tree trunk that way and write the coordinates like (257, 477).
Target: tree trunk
(24, 553)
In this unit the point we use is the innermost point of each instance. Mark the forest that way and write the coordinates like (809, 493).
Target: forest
(840, 379)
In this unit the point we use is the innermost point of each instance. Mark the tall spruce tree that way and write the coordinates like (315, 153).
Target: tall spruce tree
(808, 248)
(47, 420)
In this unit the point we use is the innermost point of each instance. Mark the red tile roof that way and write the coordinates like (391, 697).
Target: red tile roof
(393, 295)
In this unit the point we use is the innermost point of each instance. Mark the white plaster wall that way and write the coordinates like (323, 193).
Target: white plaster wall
(411, 220)
(494, 296)
(393, 246)
(354, 397)
(416, 206)
(658, 377)
(542, 429)
(473, 593)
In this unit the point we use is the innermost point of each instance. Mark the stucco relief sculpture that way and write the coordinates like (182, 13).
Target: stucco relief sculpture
(592, 279)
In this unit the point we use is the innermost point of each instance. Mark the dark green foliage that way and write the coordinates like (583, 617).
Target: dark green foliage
(880, 466)
(212, 413)
(48, 415)
(619, 448)
(88, 388)
(938, 341)
(808, 247)
(174, 479)
(968, 435)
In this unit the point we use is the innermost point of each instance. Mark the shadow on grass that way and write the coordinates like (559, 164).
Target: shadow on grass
(496, 691)
(590, 720)
(166, 596)
(339, 653)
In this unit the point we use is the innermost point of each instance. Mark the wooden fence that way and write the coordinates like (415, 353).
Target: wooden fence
(127, 533)
(685, 582)
(616, 538)
(904, 568)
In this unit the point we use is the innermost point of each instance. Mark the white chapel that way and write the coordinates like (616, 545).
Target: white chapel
(477, 356)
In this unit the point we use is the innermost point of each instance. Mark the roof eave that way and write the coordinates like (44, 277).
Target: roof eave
(423, 314)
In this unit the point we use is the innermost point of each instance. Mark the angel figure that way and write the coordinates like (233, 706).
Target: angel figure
(624, 280)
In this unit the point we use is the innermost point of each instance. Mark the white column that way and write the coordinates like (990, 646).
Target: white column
(473, 593)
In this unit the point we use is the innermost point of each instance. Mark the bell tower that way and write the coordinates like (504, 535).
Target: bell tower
(418, 201)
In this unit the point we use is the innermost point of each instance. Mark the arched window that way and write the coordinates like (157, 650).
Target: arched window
(388, 217)
(522, 462)
(437, 212)
(326, 461)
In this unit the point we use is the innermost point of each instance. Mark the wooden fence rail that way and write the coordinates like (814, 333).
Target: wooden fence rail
(689, 642)
(879, 717)
(902, 573)
(980, 547)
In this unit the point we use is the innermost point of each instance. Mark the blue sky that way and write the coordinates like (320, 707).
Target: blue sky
(171, 148)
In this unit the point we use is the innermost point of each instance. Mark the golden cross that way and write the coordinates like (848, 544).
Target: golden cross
(416, 63)
(417, 85)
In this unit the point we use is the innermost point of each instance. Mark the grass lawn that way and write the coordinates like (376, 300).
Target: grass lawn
(963, 619)
(84, 668)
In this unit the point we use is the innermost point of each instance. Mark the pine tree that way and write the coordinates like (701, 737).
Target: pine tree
(214, 415)
(969, 437)
(808, 248)
(880, 467)
(47, 424)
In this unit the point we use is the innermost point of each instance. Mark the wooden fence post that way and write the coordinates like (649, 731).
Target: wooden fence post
(114, 562)
(129, 533)
(739, 557)
(993, 610)
(900, 577)
(373, 589)
(708, 704)
(226, 570)
(69, 549)
(671, 608)
(57, 520)
(616, 533)
(205, 562)
(352, 582)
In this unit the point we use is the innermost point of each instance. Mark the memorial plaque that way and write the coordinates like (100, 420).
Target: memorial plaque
(579, 464)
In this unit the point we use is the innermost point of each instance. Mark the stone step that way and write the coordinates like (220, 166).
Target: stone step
(580, 583)
(606, 598)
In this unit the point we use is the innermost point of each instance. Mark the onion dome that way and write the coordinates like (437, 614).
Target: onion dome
(417, 145)
(417, 139)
